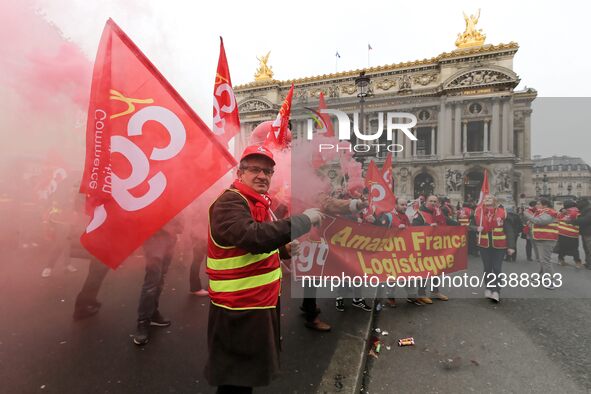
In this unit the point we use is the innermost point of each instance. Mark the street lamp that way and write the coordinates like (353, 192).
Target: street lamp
(362, 83)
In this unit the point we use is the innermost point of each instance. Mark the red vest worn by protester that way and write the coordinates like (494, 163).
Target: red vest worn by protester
(435, 217)
(548, 232)
(238, 279)
(566, 229)
(399, 218)
(493, 222)
(464, 215)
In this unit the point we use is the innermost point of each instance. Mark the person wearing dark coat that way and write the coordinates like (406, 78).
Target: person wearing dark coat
(584, 223)
(515, 222)
(245, 246)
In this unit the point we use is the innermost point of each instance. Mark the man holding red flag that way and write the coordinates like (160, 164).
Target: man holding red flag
(243, 263)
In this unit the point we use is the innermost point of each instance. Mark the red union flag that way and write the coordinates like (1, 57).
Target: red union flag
(381, 198)
(328, 128)
(278, 135)
(387, 171)
(226, 121)
(485, 189)
(148, 155)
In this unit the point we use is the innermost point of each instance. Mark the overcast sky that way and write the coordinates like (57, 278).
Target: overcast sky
(181, 39)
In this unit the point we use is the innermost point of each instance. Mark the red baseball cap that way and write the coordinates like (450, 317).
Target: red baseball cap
(259, 150)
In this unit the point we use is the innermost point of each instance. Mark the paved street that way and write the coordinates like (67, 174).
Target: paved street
(472, 345)
(464, 345)
(42, 350)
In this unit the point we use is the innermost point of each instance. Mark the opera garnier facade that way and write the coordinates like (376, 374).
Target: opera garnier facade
(469, 117)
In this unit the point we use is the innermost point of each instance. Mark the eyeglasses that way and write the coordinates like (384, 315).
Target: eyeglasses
(257, 170)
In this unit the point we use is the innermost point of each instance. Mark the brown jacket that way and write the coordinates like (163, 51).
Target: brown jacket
(244, 345)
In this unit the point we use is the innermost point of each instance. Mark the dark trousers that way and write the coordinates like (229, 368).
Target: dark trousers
(528, 248)
(586, 239)
(194, 280)
(94, 279)
(568, 246)
(472, 245)
(309, 304)
(158, 251)
(492, 259)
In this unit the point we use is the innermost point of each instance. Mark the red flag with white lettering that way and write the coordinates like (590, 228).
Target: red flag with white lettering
(387, 171)
(226, 121)
(381, 198)
(278, 135)
(148, 155)
(327, 123)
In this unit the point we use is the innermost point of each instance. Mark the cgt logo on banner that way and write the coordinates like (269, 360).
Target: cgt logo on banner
(355, 249)
(148, 155)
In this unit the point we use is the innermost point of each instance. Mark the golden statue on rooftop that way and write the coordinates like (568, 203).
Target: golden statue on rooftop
(264, 72)
(471, 37)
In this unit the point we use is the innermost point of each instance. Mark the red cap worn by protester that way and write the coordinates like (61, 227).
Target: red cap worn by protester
(257, 150)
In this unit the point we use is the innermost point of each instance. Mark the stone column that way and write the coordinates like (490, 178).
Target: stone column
(510, 124)
(441, 127)
(485, 136)
(414, 144)
(457, 130)
(447, 131)
(527, 135)
(432, 140)
(505, 126)
(520, 143)
(408, 145)
(495, 127)
(465, 135)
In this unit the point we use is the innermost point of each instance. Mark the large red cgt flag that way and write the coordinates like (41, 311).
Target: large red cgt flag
(381, 198)
(148, 155)
(226, 121)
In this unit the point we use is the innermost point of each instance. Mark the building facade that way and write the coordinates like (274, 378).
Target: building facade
(470, 118)
(562, 177)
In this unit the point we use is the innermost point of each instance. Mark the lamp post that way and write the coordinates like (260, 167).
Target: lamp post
(362, 83)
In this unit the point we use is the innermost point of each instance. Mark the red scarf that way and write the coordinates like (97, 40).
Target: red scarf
(259, 203)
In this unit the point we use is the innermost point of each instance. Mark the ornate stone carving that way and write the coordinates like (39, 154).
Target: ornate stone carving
(405, 83)
(425, 79)
(453, 180)
(333, 91)
(316, 92)
(253, 105)
(479, 77)
(502, 180)
(301, 95)
(403, 180)
(385, 84)
(349, 89)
